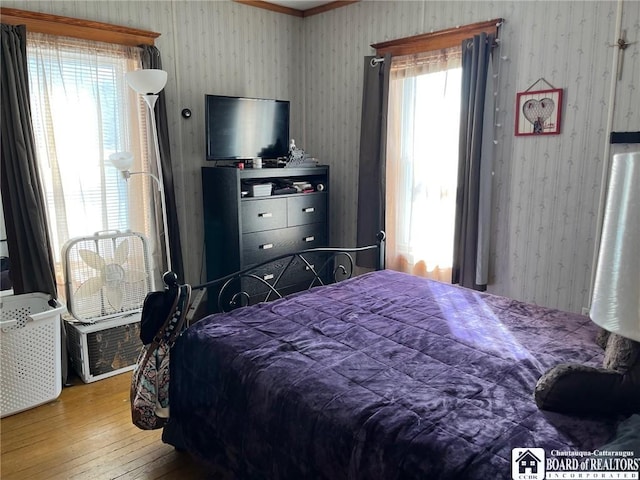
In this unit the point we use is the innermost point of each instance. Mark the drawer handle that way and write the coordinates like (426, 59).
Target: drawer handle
(309, 239)
(266, 246)
(265, 215)
(309, 210)
(268, 276)
(309, 267)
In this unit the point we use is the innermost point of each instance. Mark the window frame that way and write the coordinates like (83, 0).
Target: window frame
(77, 28)
(447, 38)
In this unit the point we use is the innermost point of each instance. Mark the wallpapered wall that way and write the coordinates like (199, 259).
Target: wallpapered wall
(546, 188)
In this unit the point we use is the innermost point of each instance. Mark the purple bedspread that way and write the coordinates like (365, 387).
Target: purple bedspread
(384, 376)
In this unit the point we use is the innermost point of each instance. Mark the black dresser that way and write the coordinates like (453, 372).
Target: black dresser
(242, 230)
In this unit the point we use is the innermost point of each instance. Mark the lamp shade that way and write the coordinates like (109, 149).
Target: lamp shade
(122, 160)
(147, 81)
(616, 296)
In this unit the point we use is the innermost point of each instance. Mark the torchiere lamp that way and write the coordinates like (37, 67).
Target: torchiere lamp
(148, 83)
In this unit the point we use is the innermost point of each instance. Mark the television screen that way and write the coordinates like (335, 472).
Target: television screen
(240, 128)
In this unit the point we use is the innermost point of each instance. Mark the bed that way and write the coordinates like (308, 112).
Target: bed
(381, 376)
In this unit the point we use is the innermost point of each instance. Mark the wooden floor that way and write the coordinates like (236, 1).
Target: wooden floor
(87, 434)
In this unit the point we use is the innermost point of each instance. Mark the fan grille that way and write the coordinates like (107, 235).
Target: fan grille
(105, 278)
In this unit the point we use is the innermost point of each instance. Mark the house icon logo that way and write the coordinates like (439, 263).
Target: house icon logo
(527, 464)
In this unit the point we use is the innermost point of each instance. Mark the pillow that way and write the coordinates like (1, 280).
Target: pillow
(580, 389)
(621, 353)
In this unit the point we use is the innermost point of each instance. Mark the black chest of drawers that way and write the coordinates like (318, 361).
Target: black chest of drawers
(241, 231)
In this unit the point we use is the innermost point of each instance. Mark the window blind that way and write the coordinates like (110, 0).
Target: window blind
(83, 111)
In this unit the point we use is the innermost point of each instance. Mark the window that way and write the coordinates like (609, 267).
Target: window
(422, 161)
(83, 111)
(423, 135)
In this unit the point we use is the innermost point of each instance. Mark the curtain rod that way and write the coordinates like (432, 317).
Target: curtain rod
(376, 60)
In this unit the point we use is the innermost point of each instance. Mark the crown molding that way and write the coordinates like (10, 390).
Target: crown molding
(293, 11)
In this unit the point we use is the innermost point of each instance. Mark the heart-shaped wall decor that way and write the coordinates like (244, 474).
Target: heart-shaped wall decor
(538, 111)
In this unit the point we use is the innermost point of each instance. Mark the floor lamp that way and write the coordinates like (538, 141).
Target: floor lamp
(148, 83)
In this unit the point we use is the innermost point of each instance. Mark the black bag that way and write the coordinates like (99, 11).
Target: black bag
(163, 319)
(156, 309)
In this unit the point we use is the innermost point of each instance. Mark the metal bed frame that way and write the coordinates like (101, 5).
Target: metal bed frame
(338, 265)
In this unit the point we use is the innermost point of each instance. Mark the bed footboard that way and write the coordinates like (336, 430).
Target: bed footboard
(288, 273)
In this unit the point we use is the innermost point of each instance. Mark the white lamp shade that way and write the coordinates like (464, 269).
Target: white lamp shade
(616, 296)
(122, 160)
(147, 81)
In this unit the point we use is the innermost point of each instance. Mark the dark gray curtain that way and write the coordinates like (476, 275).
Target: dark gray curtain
(472, 215)
(151, 59)
(373, 141)
(32, 266)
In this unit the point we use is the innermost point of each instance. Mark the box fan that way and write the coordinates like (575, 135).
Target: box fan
(107, 277)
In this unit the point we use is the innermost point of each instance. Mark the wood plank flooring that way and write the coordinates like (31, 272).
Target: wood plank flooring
(87, 434)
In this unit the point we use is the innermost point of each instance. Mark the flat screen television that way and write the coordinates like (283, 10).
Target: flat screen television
(242, 128)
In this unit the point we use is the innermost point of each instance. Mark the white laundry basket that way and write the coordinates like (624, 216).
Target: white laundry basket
(30, 358)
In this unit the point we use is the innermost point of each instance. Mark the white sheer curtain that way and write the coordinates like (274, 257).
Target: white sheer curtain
(83, 111)
(422, 162)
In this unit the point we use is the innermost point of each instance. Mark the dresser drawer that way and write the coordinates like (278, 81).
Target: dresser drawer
(268, 273)
(264, 214)
(305, 209)
(297, 274)
(300, 273)
(308, 236)
(258, 247)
